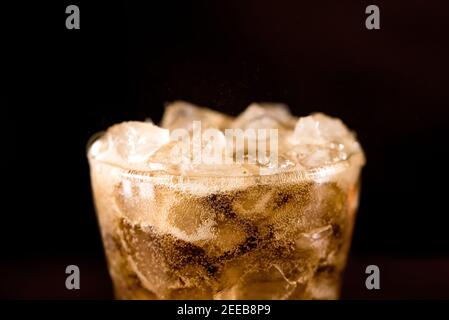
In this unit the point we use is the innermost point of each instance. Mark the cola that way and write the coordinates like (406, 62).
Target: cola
(189, 230)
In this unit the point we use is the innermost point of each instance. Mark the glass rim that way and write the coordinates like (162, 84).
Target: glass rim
(354, 160)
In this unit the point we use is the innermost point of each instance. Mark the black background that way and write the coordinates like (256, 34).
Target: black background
(127, 60)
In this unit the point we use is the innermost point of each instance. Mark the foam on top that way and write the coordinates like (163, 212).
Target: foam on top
(304, 143)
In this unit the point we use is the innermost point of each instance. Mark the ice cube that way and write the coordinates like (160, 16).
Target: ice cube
(141, 202)
(325, 283)
(228, 236)
(315, 241)
(165, 209)
(213, 147)
(146, 259)
(192, 157)
(181, 114)
(328, 206)
(315, 156)
(333, 129)
(129, 142)
(319, 129)
(264, 115)
(165, 265)
(307, 131)
(190, 220)
(174, 157)
(320, 140)
(288, 207)
(254, 203)
(198, 291)
(260, 284)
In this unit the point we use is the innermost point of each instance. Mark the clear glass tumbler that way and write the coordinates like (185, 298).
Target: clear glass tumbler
(280, 236)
